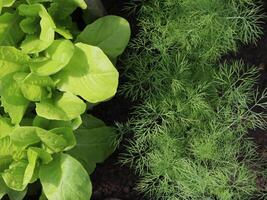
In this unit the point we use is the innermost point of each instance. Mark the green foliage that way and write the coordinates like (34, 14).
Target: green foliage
(109, 39)
(56, 176)
(93, 78)
(46, 79)
(101, 144)
(204, 29)
(190, 130)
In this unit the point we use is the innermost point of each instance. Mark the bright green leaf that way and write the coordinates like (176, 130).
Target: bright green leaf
(63, 107)
(34, 79)
(64, 32)
(42, 154)
(13, 101)
(67, 134)
(10, 149)
(89, 74)
(38, 43)
(51, 124)
(58, 139)
(76, 123)
(34, 87)
(12, 60)
(7, 3)
(56, 143)
(16, 111)
(29, 171)
(25, 136)
(58, 54)
(5, 127)
(14, 176)
(65, 179)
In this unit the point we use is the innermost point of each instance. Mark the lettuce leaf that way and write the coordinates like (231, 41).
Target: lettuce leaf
(10, 32)
(57, 56)
(64, 107)
(65, 178)
(36, 43)
(89, 74)
(110, 33)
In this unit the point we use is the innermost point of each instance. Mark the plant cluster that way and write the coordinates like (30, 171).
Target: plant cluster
(50, 73)
(190, 131)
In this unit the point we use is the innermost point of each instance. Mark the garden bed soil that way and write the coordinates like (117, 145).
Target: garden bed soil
(111, 180)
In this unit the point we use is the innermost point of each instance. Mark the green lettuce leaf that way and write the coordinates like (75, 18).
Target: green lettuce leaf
(6, 127)
(54, 143)
(110, 33)
(58, 139)
(10, 32)
(6, 153)
(89, 74)
(51, 124)
(10, 149)
(29, 171)
(36, 43)
(44, 156)
(12, 194)
(58, 56)
(16, 111)
(26, 135)
(12, 60)
(29, 24)
(95, 142)
(34, 87)
(13, 101)
(6, 3)
(65, 179)
(65, 107)
(64, 32)
(14, 176)
(67, 134)
(3, 188)
(16, 195)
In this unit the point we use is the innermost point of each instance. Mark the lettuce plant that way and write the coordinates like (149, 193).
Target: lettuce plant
(49, 72)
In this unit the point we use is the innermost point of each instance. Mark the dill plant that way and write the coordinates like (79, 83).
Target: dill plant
(190, 131)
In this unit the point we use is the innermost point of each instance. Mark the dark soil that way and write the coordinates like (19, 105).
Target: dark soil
(111, 180)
